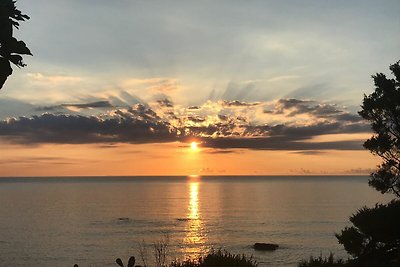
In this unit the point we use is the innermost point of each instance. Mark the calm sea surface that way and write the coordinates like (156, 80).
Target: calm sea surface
(92, 221)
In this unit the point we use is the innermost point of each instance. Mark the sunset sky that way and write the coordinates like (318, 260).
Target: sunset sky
(263, 87)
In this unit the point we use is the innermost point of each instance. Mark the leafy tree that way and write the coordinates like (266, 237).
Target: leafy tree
(374, 238)
(10, 48)
(382, 110)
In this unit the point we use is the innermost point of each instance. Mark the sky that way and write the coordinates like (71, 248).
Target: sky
(263, 87)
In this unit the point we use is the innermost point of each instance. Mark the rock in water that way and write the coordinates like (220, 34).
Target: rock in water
(265, 246)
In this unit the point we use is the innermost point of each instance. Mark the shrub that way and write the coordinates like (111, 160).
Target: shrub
(320, 261)
(219, 258)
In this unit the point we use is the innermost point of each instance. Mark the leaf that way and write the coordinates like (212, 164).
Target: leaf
(19, 47)
(119, 262)
(17, 60)
(5, 71)
(131, 262)
(13, 46)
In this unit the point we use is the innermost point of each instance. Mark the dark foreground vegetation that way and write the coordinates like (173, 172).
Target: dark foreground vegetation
(217, 258)
(11, 50)
(320, 261)
(374, 238)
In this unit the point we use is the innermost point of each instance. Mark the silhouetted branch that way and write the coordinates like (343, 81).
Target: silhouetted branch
(10, 48)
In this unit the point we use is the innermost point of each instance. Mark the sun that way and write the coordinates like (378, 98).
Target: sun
(193, 146)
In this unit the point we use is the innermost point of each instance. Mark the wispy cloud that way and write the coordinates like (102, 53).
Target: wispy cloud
(162, 85)
(97, 104)
(53, 79)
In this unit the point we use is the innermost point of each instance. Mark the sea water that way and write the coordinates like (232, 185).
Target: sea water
(91, 221)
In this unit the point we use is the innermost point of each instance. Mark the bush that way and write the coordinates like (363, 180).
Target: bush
(374, 237)
(320, 261)
(219, 258)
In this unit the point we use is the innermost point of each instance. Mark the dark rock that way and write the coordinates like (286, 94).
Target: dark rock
(183, 219)
(265, 246)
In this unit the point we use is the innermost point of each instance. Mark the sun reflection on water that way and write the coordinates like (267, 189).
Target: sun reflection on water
(194, 201)
(195, 237)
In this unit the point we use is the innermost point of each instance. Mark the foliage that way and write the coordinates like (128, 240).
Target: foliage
(374, 238)
(382, 110)
(219, 258)
(10, 48)
(375, 235)
(131, 262)
(320, 261)
(142, 251)
(161, 251)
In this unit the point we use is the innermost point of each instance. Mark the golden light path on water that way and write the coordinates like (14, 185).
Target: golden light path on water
(195, 237)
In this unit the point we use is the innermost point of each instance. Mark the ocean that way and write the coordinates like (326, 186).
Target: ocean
(91, 221)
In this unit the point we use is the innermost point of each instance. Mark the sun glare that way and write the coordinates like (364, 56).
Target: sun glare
(193, 146)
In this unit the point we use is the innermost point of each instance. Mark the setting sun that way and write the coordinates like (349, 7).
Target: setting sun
(193, 146)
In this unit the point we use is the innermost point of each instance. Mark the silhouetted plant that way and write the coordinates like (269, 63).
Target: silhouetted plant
(131, 262)
(142, 251)
(375, 236)
(160, 251)
(10, 48)
(219, 258)
(382, 110)
(320, 261)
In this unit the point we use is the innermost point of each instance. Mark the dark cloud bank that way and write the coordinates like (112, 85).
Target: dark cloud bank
(141, 124)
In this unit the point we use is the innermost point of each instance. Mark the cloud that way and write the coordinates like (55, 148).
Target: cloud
(221, 151)
(158, 85)
(37, 160)
(312, 109)
(359, 171)
(237, 103)
(280, 143)
(198, 119)
(165, 103)
(296, 107)
(97, 104)
(10, 107)
(53, 79)
(207, 46)
(221, 125)
(134, 125)
(309, 152)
